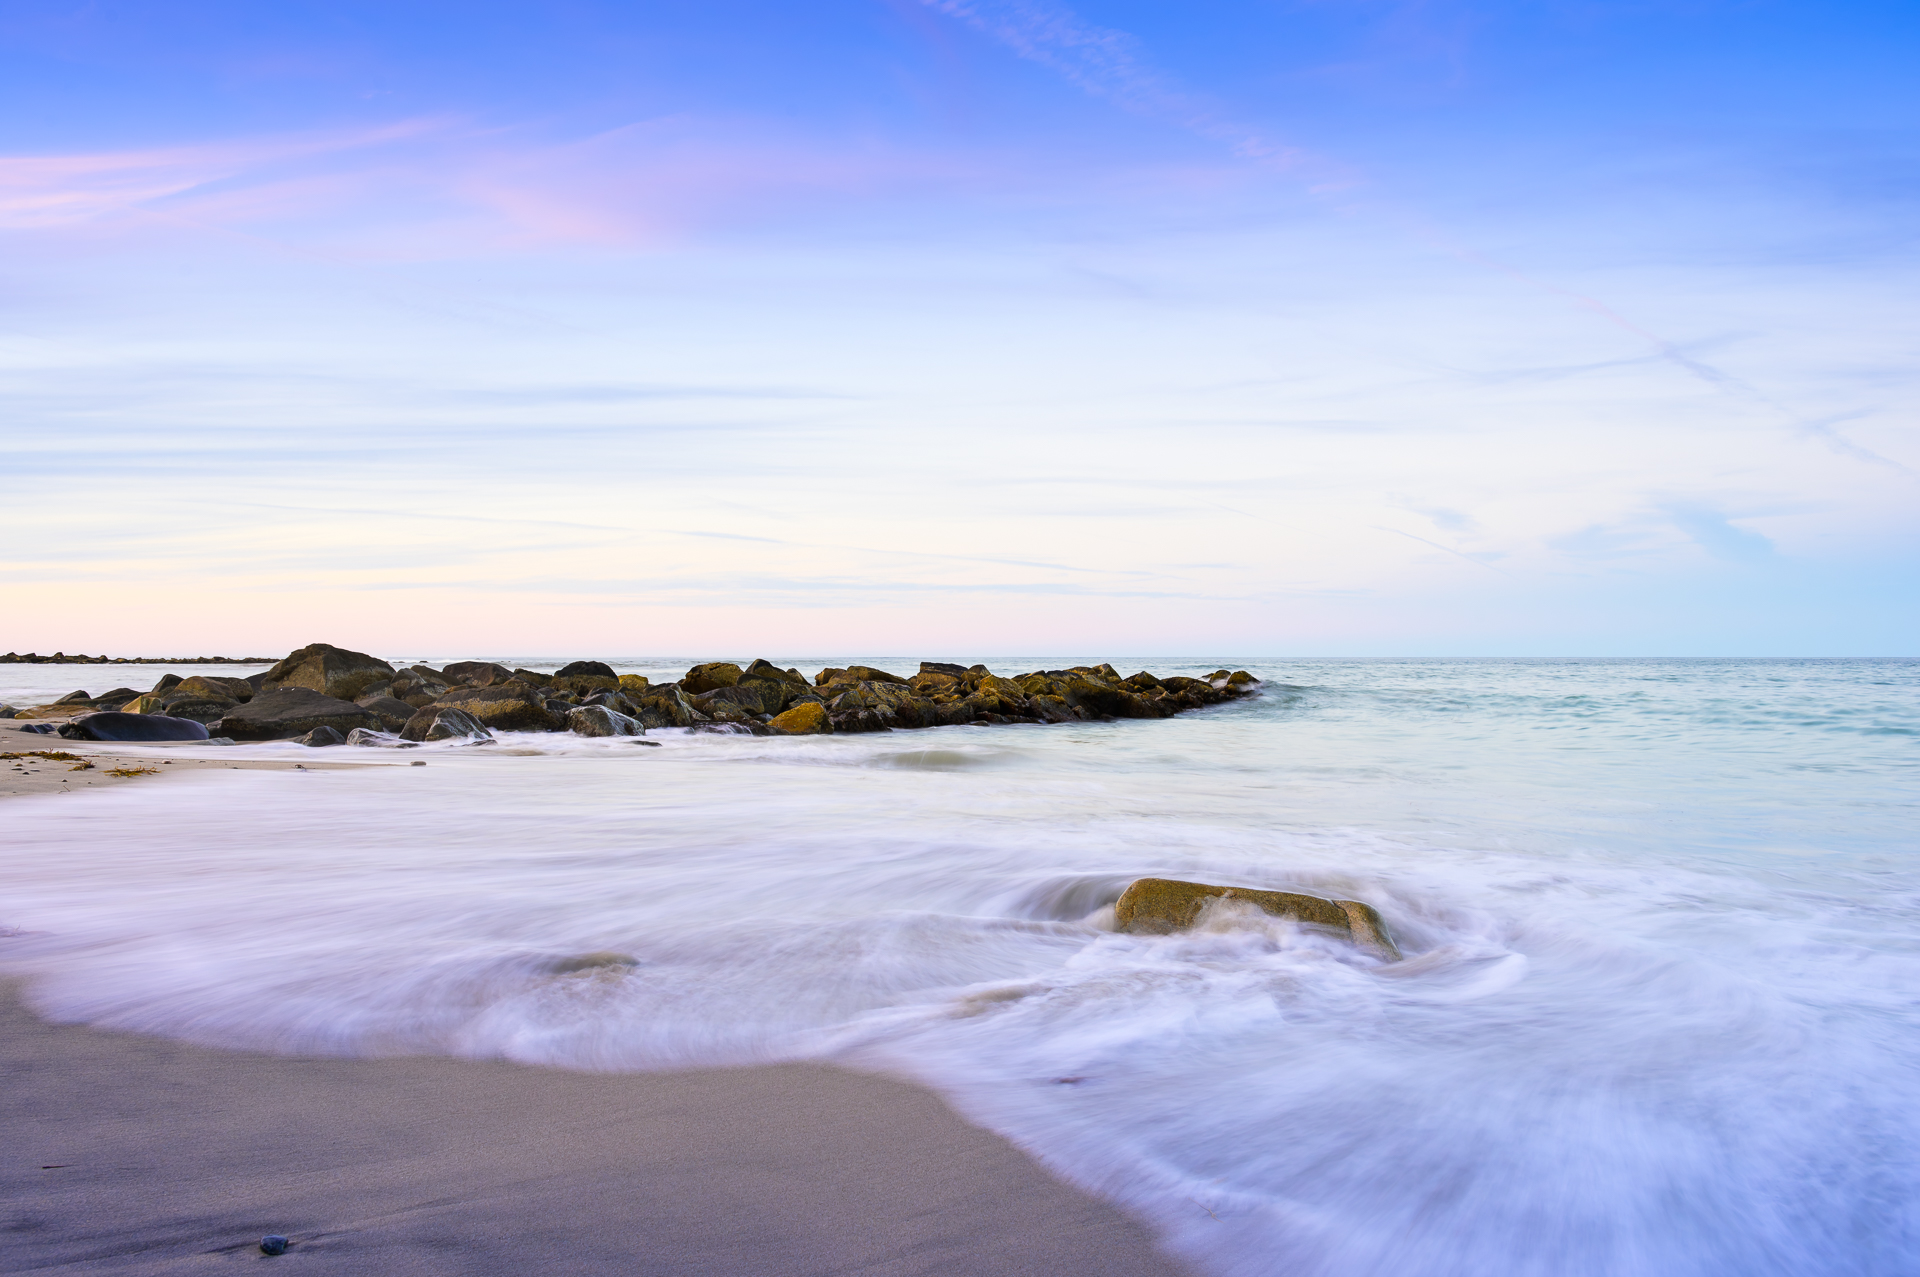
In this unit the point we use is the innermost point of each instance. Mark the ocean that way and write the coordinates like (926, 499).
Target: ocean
(1659, 1011)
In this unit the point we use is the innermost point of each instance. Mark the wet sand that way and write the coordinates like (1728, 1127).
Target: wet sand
(128, 1154)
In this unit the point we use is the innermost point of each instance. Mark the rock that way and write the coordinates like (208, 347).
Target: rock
(1157, 906)
(1240, 678)
(604, 960)
(323, 736)
(74, 698)
(119, 696)
(726, 710)
(274, 1244)
(7, 711)
(512, 708)
(808, 718)
(709, 677)
(329, 670)
(214, 688)
(166, 684)
(667, 707)
(599, 720)
(635, 686)
(868, 674)
(1101, 698)
(115, 726)
(475, 674)
(371, 739)
(391, 713)
(444, 722)
(583, 684)
(585, 667)
(764, 669)
(286, 713)
(197, 706)
(942, 667)
(39, 729)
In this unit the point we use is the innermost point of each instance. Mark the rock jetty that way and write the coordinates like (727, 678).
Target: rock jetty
(325, 694)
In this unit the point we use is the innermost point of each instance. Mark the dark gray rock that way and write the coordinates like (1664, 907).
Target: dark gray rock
(476, 673)
(599, 720)
(115, 726)
(444, 722)
(321, 737)
(288, 713)
(585, 667)
(368, 738)
(391, 713)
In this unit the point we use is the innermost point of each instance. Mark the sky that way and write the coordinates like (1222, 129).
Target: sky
(961, 328)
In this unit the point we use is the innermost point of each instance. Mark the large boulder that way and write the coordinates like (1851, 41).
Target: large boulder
(444, 722)
(331, 671)
(809, 718)
(213, 687)
(602, 720)
(667, 706)
(1158, 906)
(514, 707)
(115, 726)
(708, 677)
(285, 713)
(476, 673)
(585, 667)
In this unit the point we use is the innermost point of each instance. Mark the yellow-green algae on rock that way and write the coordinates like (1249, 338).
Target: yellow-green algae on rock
(1163, 905)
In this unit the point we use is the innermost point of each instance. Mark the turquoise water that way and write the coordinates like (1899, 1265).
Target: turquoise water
(1658, 1013)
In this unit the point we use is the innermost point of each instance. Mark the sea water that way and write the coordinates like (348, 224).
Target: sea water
(1659, 1011)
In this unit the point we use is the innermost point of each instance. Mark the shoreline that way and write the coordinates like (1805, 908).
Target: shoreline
(20, 777)
(133, 1154)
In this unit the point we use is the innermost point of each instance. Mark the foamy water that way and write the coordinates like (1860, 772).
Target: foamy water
(1658, 1013)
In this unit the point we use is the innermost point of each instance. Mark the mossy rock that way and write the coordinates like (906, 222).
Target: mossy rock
(636, 685)
(710, 677)
(583, 684)
(1159, 906)
(808, 718)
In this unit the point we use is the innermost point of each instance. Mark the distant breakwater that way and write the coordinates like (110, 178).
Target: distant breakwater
(324, 695)
(61, 658)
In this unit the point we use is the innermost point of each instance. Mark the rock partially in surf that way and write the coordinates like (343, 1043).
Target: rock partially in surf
(1240, 678)
(7, 711)
(289, 713)
(114, 725)
(602, 720)
(1158, 906)
(444, 722)
(604, 960)
(369, 738)
(711, 676)
(321, 737)
(329, 670)
(809, 718)
(391, 713)
(512, 708)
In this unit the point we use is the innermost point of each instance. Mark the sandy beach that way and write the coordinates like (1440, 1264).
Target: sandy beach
(133, 1154)
(130, 1154)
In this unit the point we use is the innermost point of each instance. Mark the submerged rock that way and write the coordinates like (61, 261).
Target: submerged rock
(605, 960)
(1157, 906)
(329, 670)
(114, 725)
(286, 713)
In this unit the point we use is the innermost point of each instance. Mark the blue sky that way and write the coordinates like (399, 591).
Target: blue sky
(961, 326)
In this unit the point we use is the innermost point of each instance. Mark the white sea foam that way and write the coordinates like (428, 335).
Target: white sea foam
(1657, 1015)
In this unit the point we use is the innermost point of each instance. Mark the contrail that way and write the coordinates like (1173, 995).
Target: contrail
(1111, 64)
